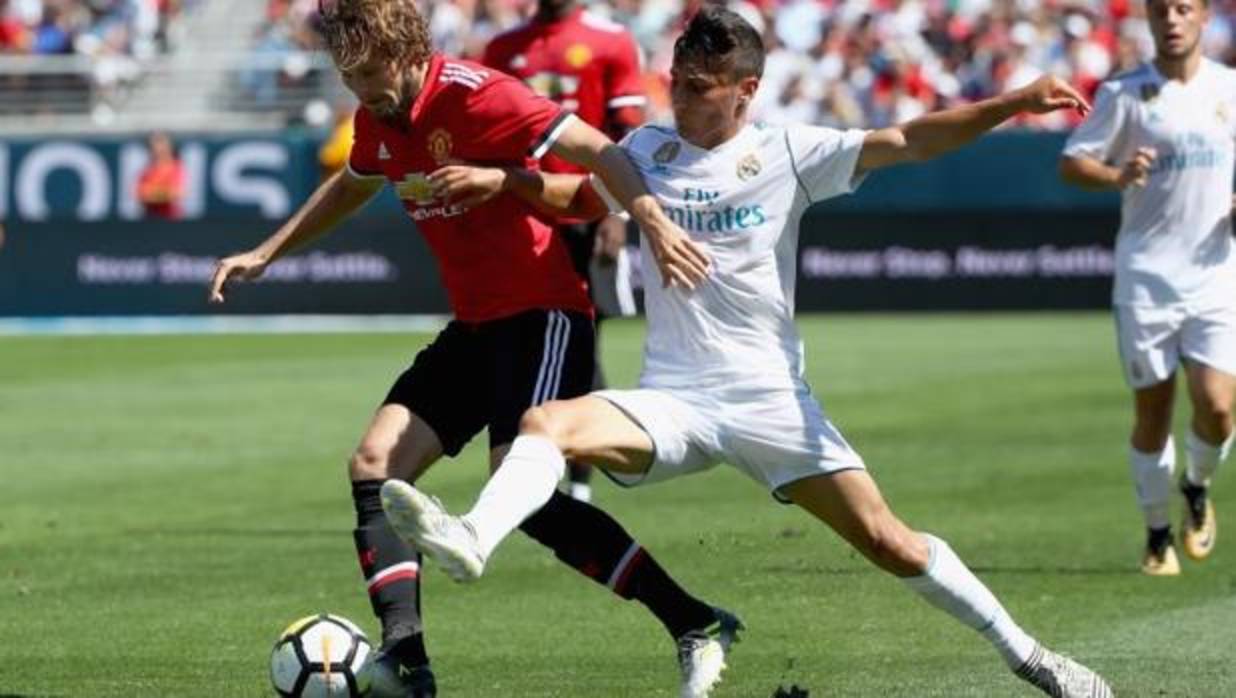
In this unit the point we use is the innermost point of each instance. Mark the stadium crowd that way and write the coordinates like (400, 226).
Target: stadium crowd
(89, 27)
(856, 62)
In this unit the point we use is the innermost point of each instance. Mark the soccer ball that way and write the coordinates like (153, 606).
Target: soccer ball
(321, 656)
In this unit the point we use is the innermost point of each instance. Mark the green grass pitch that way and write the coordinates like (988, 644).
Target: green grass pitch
(168, 504)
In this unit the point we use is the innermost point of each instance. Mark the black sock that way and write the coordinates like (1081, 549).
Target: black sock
(592, 542)
(392, 573)
(579, 473)
(1157, 539)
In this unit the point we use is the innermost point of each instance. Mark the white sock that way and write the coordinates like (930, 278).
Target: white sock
(951, 587)
(1204, 459)
(1152, 473)
(523, 483)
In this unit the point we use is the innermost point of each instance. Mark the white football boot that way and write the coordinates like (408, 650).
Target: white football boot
(701, 654)
(1061, 677)
(421, 521)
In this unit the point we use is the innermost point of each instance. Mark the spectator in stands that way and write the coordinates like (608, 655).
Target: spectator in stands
(161, 186)
(14, 36)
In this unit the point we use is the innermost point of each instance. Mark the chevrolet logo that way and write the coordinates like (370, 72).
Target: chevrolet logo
(415, 187)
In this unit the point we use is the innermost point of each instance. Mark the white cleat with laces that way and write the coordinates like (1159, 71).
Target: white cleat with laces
(1061, 677)
(421, 521)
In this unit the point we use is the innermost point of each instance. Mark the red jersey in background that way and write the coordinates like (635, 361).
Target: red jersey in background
(586, 63)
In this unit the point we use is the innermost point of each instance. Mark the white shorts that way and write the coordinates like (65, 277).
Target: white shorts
(1154, 339)
(775, 437)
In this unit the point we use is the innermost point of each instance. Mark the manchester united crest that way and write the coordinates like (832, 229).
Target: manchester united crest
(749, 167)
(440, 145)
(667, 152)
(578, 56)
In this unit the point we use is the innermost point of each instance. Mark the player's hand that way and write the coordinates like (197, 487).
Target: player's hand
(1049, 93)
(467, 186)
(1137, 170)
(681, 261)
(611, 238)
(245, 266)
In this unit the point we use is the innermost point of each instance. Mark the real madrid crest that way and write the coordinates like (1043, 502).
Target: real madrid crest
(749, 166)
(1222, 114)
(667, 152)
(440, 145)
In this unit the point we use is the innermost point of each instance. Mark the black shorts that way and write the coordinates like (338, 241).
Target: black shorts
(477, 375)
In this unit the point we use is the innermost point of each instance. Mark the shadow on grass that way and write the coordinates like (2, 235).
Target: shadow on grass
(231, 533)
(1109, 571)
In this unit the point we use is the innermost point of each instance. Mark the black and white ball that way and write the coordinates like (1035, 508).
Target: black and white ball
(321, 656)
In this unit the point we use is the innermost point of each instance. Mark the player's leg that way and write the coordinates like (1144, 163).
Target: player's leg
(415, 426)
(1148, 340)
(522, 493)
(850, 503)
(397, 444)
(1210, 345)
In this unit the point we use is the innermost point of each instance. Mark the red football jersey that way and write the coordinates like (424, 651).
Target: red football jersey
(499, 258)
(586, 63)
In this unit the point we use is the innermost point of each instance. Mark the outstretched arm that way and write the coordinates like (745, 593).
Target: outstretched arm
(945, 131)
(336, 199)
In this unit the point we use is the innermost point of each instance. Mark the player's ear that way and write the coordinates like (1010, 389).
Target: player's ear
(747, 88)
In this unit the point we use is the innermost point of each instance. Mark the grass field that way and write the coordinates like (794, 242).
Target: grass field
(168, 504)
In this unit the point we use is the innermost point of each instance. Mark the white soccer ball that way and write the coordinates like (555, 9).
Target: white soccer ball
(321, 656)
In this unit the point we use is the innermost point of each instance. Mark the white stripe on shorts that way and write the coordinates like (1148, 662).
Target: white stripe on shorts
(557, 337)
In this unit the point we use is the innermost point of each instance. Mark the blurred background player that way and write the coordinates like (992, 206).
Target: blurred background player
(1163, 135)
(161, 186)
(591, 66)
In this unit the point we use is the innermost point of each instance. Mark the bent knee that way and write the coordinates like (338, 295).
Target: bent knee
(895, 548)
(547, 420)
(368, 463)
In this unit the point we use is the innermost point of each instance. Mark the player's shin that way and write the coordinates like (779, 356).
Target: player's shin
(1152, 474)
(522, 484)
(392, 574)
(1204, 458)
(597, 546)
(951, 587)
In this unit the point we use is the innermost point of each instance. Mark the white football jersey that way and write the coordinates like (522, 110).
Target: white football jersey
(1175, 242)
(743, 201)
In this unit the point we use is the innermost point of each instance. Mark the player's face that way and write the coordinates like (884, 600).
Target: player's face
(708, 107)
(382, 87)
(1177, 26)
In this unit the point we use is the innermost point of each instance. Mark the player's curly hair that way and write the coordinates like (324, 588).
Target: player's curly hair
(722, 42)
(359, 30)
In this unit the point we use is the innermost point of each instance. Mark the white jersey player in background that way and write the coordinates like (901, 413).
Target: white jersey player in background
(723, 364)
(1163, 135)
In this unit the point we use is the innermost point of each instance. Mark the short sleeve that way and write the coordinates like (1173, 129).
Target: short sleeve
(624, 86)
(514, 121)
(1100, 135)
(824, 159)
(364, 161)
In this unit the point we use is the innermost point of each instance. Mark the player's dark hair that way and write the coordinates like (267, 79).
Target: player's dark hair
(359, 30)
(722, 43)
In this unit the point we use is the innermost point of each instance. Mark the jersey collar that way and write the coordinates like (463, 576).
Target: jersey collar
(431, 79)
